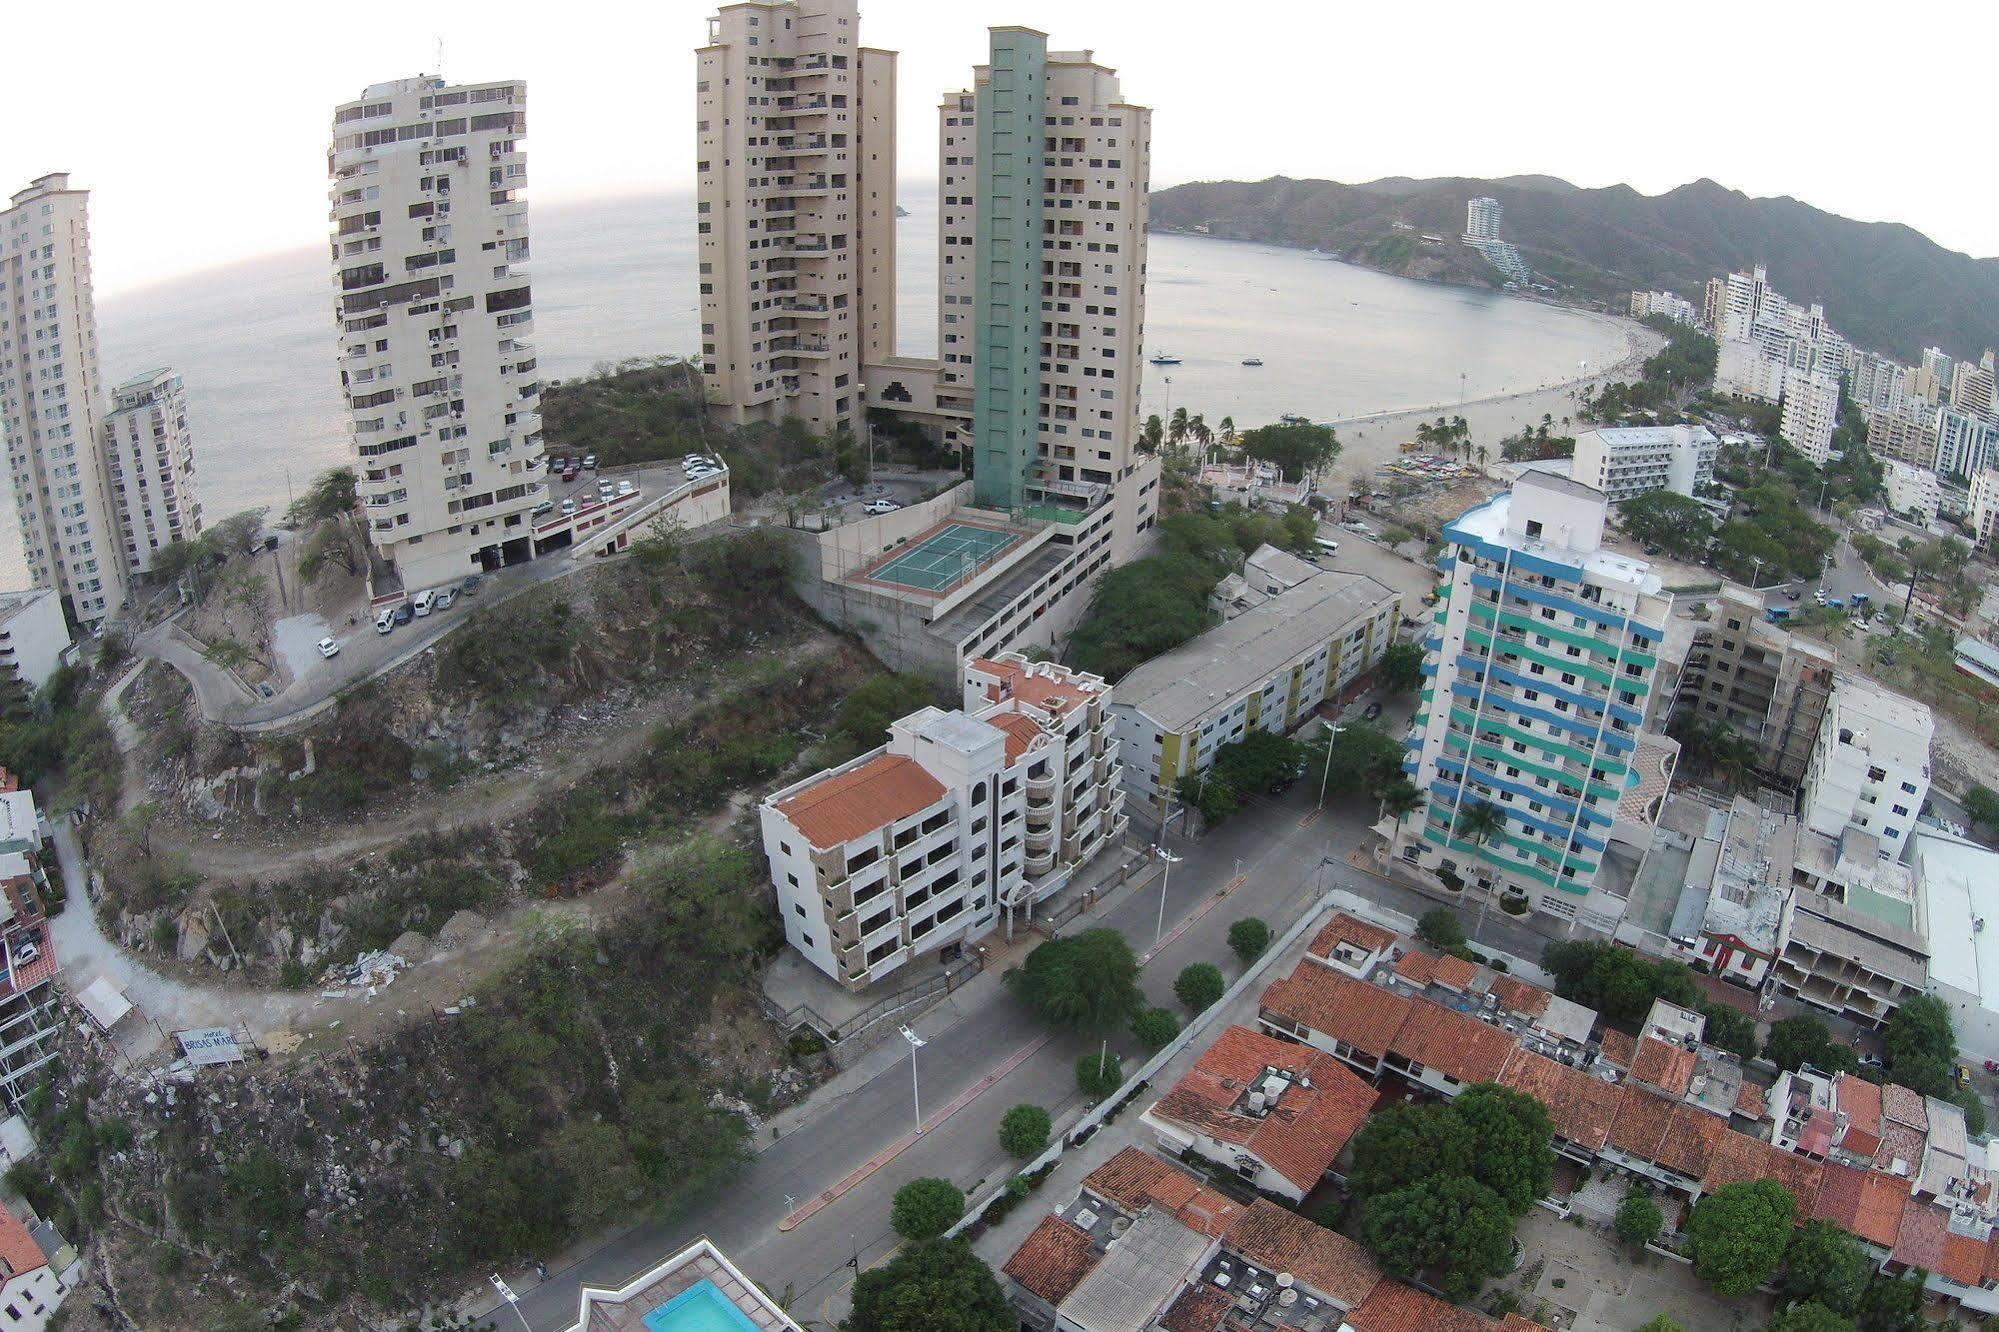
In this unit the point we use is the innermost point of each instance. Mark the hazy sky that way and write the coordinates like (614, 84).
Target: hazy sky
(201, 128)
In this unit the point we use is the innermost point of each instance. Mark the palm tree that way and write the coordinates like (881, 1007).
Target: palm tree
(1176, 431)
(1483, 454)
(1197, 429)
(1480, 821)
(1399, 799)
(1228, 432)
(1153, 434)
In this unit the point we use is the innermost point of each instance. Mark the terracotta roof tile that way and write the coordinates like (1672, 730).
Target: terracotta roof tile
(1038, 686)
(1749, 1101)
(1418, 968)
(1515, 1322)
(1363, 1016)
(1666, 1066)
(1899, 1105)
(1919, 1238)
(1992, 1257)
(1581, 1107)
(1619, 1048)
(1735, 1157)
(1900, 1143)
(1838, 1200)
(1133, 1180)
(1517, 996)
(1198, 1309)
(1641, 1123)
(1021, 732)
(854, 803)
(1394, 1307)
(1053, 1259)
(1456, 973)
(1963, 1259)
(17, 1246)
(1865, 1203)
(1301, 1135)
(1690, 1140)
(1455, 1044)
(1344, 928)
(1860, 1101)
(1281, 1240)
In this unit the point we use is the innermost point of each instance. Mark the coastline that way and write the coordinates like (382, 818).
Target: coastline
(1372, 439)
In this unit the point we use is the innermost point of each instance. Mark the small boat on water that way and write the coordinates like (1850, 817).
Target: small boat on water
(1252, 360)
(1165, 358)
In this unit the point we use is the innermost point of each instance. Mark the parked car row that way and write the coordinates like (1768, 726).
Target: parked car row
(700, 465)
(427, 602)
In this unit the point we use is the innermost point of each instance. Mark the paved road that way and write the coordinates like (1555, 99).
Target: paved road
(1285, 867)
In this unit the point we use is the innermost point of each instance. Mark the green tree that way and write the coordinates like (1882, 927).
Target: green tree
(1155, 1027)
(1675, 523)
(1439, 928)
(1399, 799)
(1823, 1263)
(1199, 986)
(1639, 1219)
(866, 713)
(1451, 1226)
(1142, 609)
(1099, 1075)
(1981, 803)
(1919, 1047)
(1407, 1143)
(1153, 434)
(1893, 1304)
(1738, 1233)
(1296, 447)
(1401, 669)
(1085, 982)
(1024, 1131)
(1363, 760)
(1262, 762)
(1727, 1028)
(1207, 795)
(1513, 1151)
(327, 497)
(1659, 1323)
(1248, 938)
(930, 1286)
(1810, 1316)
(605, 1185)
(1797, 1041)
(925, 1208)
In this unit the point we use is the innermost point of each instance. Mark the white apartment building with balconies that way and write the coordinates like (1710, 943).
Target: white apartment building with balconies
(1966, 444)
(52, 400)
(795, 191)
(149, 452)
(1623, 461)
(434, 310)
(960, 818)
(1870, 767)
(1912, 490)
(1811, 411)
(1984, 507)
(1482, 219)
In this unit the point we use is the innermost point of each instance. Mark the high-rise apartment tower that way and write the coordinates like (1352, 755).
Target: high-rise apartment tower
(795, 188)
(51, 400)
(149, 452)
(430, 246)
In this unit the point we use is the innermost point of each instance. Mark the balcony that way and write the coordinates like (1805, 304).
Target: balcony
(1040, 838)
(815, 104)
(800, 347)
(801, 145)
(810, 308)
(1041, 815)
(1039, 788)
(1038, 862)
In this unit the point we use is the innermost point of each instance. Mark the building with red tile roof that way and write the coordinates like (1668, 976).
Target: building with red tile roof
(1516, 996)
(1900, 1105)
(1349, 1019)
(1048, 686)
(1749, 1101)
(1349, 935)
(1134, 1180)
(1919, 1237)
(1864, 1203)
(1663, 1065)
(1444, 1049)
(1963, 1259)
(1394, 1307)
(1196, 1309)
(1618, 1048)
(1581, 1107)
(1052, 1260)
(1330, 1264)
(861, 800)
(1737, 1156)
(1276, 1112)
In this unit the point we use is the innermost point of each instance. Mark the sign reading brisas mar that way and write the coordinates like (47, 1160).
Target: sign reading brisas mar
(209, 1045)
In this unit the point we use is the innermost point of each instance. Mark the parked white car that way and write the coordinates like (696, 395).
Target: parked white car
(880, 506)
(329, 648)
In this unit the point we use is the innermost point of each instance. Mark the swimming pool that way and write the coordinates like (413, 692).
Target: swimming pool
(700, 1308)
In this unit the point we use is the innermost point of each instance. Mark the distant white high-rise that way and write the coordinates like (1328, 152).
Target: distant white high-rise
(1482, 219)
(1966, 444)
(150, 453)
(1811, 411)
(430, 247)
(51, 400)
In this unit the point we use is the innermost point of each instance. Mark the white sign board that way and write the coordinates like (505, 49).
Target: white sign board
(209, 1045)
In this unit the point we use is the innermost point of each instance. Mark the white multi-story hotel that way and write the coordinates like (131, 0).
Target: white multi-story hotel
(1911, 490)
(1540, 674)
(1870, 767)
(922, 844)
(1966, 444)
(1905, 431)
(1623, 461)
(1811, 411)
(795, 187)
(1482, 219)
(149, 452)
(1675, 308)
(1984, 507)
(430, 247)
(51, 399)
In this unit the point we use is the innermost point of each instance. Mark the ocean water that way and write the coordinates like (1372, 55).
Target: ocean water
(615, 278)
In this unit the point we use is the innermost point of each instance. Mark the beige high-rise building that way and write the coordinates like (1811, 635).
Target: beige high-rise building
(51, 399)
(150, 453)
(795, 192)
(432, 300)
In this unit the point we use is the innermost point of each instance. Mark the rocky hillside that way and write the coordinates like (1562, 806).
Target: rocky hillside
(1884, 285)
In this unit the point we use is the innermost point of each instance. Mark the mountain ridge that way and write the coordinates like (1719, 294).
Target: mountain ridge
(1885, 285)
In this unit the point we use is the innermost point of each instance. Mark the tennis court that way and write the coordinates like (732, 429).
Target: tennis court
(942, 557)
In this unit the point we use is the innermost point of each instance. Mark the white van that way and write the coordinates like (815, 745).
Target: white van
(1325, 547)
(420, 603)
(442, 601)
(385, 622)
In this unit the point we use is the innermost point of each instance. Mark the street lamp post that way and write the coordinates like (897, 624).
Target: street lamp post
(1328, 775)
(507, 1294)
(915, 1097)
(1168, 859)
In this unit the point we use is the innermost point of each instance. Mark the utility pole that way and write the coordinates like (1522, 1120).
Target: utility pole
(915, 1043)
(1328, 775)
(1169, 860)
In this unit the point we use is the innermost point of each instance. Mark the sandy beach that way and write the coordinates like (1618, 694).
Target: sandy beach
(1371, 440)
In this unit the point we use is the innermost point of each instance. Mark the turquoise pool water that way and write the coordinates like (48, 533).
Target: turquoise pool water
(699, 1308)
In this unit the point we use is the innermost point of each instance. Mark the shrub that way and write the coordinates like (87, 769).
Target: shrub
(1440, 929)
(1155, 1027)
(1024, 1131)
(926, 1208)
(1099, 1076)
(1639, 1219)
(1248, 938)
(1199, 986)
